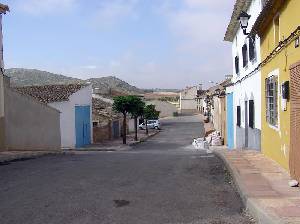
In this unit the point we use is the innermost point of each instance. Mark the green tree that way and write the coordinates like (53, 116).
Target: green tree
(122, 104)
(150, 113)
(136, 110)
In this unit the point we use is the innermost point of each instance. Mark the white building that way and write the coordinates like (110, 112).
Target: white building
(189, 102)
(245, 93)
(74, 101)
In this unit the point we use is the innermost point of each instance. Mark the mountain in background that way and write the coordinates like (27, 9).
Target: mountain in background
(104, 85)
(109, 84)
(29, 77)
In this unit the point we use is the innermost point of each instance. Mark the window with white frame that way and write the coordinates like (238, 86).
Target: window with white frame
(271, 100)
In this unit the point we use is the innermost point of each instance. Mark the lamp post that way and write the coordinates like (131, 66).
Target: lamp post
(244, 20)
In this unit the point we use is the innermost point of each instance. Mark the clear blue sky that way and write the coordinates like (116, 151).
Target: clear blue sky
(148, 43)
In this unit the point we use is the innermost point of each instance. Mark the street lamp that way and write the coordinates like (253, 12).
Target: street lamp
(244, 20)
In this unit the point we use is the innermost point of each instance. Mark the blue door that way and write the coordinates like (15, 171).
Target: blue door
(116, 129)
(230, 130)
(82, 126)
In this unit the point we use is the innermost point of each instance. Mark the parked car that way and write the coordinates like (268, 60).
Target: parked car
(152, 124)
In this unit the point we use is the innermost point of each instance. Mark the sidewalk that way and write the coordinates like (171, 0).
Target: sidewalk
(263, 186)
(117, 145)
(10, 156)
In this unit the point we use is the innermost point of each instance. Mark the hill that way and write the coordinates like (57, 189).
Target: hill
(28, 77)
(103, 85)
(107, 85)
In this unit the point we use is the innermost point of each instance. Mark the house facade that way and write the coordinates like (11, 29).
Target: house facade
(279, 32)
(243, 100)
(188, 100)
(74, 101)
(165, 108)
(215, 98)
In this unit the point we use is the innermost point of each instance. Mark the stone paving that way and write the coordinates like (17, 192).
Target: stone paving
(263, 186)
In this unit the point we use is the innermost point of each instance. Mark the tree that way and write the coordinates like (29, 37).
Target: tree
(122, 104)
(136, 110)
(150, 113)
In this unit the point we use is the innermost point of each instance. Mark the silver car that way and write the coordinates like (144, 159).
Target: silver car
(152, 124)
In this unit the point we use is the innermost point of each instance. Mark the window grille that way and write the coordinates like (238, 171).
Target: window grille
(245, 55)
(251, 113)
(252, 50)
(237, 65)
(271, 100)
(238, 116)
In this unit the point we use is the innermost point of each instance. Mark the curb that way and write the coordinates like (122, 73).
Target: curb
(27, 156)
(251, 206)
(144, 139)
(119, 148)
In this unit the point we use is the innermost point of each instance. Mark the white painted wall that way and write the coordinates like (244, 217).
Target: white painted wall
(82, 97)
(188, 98)
(166, 109)
(250, 88)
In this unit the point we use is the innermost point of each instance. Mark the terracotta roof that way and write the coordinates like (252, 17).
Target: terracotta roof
(3, 8)
(50, 93)
(266, 15)
(219, 87)
(233, 26)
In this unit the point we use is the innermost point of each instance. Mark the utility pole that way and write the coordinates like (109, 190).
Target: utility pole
(3, 10)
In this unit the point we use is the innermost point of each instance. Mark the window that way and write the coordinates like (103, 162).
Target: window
(276, 30)
(252, 50)
(245, 55)
(238, 116)
(251, 113)
(237, 65)
(271, 100)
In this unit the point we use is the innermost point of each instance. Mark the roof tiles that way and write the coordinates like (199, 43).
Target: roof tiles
(50, 93)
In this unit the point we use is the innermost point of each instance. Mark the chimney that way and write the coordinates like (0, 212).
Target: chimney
(228, 77)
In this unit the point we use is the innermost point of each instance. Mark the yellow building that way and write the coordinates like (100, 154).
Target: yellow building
(278, 27)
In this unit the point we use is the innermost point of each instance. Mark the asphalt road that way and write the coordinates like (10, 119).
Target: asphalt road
(161, 181)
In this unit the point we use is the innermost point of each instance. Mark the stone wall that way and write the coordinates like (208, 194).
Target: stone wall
(102, 133)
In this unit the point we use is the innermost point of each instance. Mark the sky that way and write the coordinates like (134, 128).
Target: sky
(148, 43)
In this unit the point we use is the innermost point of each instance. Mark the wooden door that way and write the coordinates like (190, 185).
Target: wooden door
(294, 155)
(82, 126)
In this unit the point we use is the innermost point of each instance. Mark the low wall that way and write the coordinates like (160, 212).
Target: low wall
(102, 133)
(29, 124)
(188, 111)
(166, 109)
(254, 138)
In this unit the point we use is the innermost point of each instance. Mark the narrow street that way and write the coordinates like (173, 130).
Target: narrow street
(157, 182)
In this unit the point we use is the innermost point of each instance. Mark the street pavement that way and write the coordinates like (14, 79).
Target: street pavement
(161, 181)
